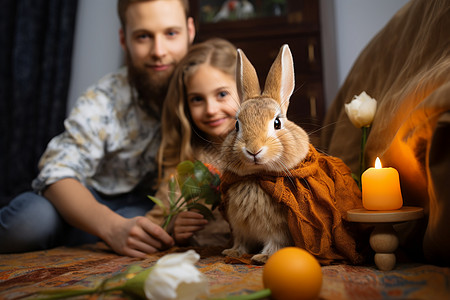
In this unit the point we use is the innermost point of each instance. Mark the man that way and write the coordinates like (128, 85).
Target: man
(90, 179)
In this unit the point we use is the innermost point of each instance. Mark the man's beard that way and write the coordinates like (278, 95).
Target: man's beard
(151, 88)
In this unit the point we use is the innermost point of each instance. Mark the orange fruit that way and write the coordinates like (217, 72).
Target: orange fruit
(292, 274)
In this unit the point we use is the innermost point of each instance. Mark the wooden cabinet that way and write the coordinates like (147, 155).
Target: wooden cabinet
(261, 33)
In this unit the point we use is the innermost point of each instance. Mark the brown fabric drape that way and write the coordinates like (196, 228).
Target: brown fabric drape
(406, 68)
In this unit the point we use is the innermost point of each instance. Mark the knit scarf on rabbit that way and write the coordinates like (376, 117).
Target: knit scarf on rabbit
(318, 194)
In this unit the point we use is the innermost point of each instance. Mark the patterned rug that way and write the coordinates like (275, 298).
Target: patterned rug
(22, 275)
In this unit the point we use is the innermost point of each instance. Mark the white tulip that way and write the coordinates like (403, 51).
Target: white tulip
(175, 276)
(361, 110)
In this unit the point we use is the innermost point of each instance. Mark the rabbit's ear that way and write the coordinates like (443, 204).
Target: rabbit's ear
(280, 81)
(246, 79)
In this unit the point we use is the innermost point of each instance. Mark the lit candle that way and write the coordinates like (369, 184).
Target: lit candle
(381, 188)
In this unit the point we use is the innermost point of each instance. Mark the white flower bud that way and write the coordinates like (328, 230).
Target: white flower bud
(361, 110)
(175, 276)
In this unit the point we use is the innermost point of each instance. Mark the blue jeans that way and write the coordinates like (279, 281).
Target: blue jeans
(30, 222)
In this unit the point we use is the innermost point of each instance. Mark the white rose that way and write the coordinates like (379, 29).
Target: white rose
(361, 110)
(175, 276)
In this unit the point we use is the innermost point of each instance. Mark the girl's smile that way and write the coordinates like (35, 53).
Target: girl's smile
(217, 122)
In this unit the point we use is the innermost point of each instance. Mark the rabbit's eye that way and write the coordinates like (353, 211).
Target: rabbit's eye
(277, 124)
(237, 126)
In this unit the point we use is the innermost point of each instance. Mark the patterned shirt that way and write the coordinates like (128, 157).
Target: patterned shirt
(109, 142)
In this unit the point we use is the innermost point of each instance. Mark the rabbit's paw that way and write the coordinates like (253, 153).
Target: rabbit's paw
(260, 259)
(231, 252)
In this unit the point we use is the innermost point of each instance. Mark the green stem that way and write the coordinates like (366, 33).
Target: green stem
(362, 163)
(175, 208)
(167, 221)
(69, 293)
(180, 202)
(253, 296)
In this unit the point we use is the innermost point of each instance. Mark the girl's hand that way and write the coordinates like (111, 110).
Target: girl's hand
(138, 236)
(185, 224)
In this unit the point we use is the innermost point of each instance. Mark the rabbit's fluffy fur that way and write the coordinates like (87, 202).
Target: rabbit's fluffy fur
(264, 142)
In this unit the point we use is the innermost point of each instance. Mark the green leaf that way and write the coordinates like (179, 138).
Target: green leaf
(210, 195)
(158, 202)
(184, 170)
(185, 167)
(190, 189)
(202, 209)
(216, 180)
(265, 293)
(201, 172)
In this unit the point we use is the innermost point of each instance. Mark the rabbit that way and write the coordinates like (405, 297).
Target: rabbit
(264, 142)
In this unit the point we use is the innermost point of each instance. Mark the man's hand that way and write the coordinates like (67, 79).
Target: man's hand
(185, 224)
(134, 237)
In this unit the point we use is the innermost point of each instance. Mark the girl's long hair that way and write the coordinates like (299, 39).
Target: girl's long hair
(177, 128)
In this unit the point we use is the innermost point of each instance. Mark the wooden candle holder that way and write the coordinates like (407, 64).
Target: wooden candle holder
(384, 239)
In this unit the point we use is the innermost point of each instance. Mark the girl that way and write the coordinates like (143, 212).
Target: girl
(198, 113)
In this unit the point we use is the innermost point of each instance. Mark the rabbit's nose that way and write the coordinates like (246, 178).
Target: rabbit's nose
(254, 154)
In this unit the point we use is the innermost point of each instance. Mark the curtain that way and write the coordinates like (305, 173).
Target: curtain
(36, 39)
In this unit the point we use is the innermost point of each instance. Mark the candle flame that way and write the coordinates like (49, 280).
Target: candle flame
(377, 163)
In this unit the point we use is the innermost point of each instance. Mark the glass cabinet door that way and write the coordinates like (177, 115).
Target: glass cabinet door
(259, 11)
(213, 11)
